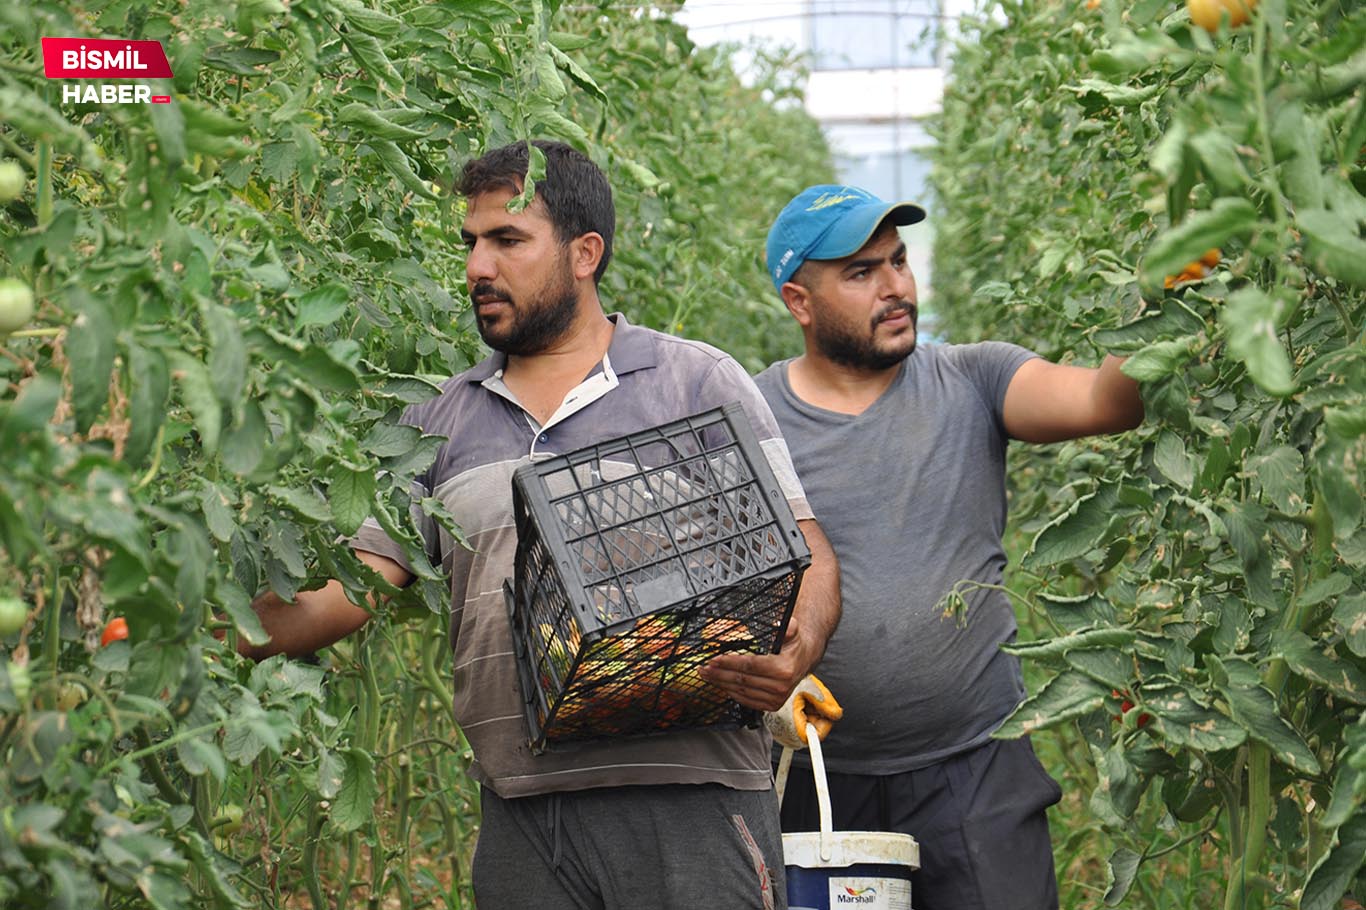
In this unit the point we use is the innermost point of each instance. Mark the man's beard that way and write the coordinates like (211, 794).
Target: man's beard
(536, 324)
(840, 344)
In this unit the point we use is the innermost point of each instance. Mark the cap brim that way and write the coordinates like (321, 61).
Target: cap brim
(848, 235)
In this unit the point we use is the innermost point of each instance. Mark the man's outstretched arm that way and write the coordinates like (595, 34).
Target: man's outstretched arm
(1049, 402)
(318, 618)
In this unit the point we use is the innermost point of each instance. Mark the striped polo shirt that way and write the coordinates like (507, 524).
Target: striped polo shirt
(646, 378)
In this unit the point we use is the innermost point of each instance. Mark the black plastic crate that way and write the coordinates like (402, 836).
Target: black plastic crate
(638, 560)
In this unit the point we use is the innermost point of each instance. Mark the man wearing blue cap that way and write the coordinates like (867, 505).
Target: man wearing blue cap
(901, 449)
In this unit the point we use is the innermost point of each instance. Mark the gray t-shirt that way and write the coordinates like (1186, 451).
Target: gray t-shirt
(911, 494)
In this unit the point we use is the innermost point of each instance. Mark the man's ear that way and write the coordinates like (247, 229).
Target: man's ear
(798, 301)
(585, 252)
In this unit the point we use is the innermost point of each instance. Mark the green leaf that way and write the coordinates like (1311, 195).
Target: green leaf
(369, 53)
(215, 872)
(1170, 458)
(1069, 694)
(1184, 722)
(1174, 320)
(350, 493)
(1255, 710)
(246, 443)
(305, 502)
(577, 73)
(240, 60)
(1334, 873)
(1250, 321)
(1306, 660)
(251, 730)
(169, 123)
(396, 162)
(1325, 588)
(149, 388)
(199, 757)
(319, 368)
(1219, 157)
(406, 389)
(90, 352)
(322, 306)
(1159, 360)
(355, 802)
(1350, 616)
(1280, 473)
(1118, 95)
(1072, 533)
(1120, 871)
(1188, 241)
(196, 391)
(1056, 647)
(229, 595)
(388, 439)
(227, 360)
(331, 774)
(1332, 246)
(1111, 668)
(374, 125)
(368, 20)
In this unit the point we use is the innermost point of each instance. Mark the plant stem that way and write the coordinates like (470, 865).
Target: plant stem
(43, 178)
(38, 333)
(165, 744)
(1258, 813)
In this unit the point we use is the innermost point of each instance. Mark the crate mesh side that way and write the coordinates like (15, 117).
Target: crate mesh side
(644, 680)
(551, 633)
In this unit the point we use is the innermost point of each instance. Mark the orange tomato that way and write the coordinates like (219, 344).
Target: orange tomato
(1207, 13)
(115, 630)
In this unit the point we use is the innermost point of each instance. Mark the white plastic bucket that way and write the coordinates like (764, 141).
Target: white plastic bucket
(845, 870)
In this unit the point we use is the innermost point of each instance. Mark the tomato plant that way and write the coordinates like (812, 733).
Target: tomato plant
(1212, 563)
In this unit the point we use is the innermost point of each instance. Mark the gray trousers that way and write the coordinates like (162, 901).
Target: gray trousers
(979, 819)
(678, 847)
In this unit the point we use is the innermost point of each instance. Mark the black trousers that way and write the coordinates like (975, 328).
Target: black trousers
(979, 818)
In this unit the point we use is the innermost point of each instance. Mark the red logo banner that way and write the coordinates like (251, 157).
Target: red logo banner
(104, 58)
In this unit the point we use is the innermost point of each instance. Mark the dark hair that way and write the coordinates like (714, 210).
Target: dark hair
(575, 191)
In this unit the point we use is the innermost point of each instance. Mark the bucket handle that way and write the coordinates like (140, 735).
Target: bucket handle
(813, 741)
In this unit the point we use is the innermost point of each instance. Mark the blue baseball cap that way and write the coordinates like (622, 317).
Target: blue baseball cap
(828, 221)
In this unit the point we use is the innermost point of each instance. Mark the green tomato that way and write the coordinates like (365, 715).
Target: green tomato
(229, 820)
(12, 180)
(71, 696)
(13, 613)
(16, 305)
(19, 682)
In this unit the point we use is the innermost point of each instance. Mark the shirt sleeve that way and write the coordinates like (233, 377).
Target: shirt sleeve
(991, 365)
(726, 382)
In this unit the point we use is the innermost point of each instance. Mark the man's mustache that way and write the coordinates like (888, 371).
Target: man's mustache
(894, 309)
(484, 291)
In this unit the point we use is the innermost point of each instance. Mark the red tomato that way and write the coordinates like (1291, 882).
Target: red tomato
(115, 630)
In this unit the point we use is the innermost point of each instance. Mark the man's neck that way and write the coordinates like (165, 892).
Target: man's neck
(541, 381)
(838, 387)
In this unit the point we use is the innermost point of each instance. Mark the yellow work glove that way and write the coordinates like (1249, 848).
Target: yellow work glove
(811, 702)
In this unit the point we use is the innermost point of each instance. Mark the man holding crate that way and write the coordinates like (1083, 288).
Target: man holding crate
(685, 820)
(901, 450)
